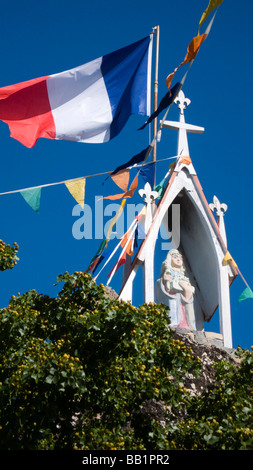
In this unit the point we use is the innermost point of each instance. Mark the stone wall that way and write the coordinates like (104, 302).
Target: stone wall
(208, 347)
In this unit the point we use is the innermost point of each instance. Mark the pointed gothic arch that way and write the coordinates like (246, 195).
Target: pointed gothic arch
(202, 243)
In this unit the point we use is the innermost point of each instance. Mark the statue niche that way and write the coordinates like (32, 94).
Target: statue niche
(174, 289)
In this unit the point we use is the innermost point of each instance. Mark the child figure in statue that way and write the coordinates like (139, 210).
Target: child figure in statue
(174, 289)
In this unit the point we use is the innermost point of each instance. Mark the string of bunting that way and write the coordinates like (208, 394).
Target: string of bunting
(100, 254)
(192, 51)
(142, 156)
(128, 243)
(76, 186)
(197, 41)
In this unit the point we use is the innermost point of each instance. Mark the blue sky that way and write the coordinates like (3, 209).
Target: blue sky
(39, 39)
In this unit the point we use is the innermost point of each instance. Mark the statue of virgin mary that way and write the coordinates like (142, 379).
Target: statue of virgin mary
(174, 289)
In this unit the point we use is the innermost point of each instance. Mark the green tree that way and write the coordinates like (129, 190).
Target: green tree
(75, 370)
(78, 372)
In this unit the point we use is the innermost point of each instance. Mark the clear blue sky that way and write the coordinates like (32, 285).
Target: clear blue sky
(39, 39)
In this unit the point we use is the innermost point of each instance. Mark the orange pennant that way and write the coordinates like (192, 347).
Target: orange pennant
(192, 51)
(128, 242)
(193, 47)
(126, 194)
(121, 179)
(186, 160)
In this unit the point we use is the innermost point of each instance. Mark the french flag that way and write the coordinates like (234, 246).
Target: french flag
(90, 103)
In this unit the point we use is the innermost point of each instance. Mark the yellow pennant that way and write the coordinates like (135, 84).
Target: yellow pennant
(115, 218)
(212, 5)
(228, 258)
(77, 189)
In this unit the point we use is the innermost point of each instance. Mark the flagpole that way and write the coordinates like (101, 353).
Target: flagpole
(157, 29)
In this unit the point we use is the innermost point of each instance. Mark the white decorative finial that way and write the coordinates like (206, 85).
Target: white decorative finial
(183, 102)
(220, 211)
(220, 208)
(148, 193)
(149, 197)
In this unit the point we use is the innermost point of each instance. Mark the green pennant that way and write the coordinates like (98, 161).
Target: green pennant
(32, 197)
(97, 255)
(246, 294)
(160, 188)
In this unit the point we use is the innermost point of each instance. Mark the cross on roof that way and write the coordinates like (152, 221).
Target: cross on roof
(182, 126)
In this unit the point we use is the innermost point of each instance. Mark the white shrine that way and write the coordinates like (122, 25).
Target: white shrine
(202, 238)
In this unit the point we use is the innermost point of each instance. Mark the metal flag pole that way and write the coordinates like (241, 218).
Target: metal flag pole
(157, 29)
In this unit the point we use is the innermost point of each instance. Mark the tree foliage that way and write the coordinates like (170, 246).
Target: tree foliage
(8, 255)
(77, 370)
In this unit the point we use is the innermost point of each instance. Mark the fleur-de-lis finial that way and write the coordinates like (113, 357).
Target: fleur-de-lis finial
(183, 102)
(149, 197)
(220, 208)
(148, 193)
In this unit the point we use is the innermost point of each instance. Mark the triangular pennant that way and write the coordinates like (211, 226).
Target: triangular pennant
(117, 265)
(246, 294)
(186, 160)
(172, 167)
(32, 197)
(102, 257)
(165, 102)
(96, 257)
(160, 188)
(115, 218)
(127, 242)
(228, 258)
(138, 237)
(141, 214)
(140, 232)
(127, 194)
(192, 51)
(77, 190)
(121, 179)
(211, 6)
(133, 161)
(147, 172)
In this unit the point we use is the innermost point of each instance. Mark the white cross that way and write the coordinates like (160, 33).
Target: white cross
(182, 126)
